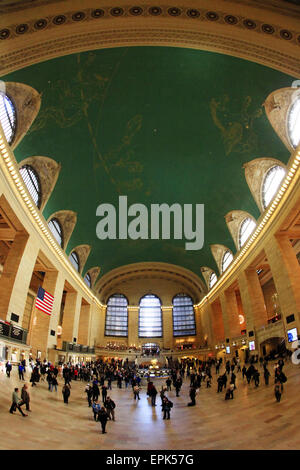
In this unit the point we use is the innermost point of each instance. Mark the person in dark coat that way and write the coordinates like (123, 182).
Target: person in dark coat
(104, 393)
(96, 392)
(266, 375)
(25, 397)
(103, 417)
(192, 396)
(152, 394)
(8, 367)
(66, 393)
(166, 407)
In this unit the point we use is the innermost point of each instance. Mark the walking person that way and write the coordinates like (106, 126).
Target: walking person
(66, 393)
(166, 407)
(153, 393)
(54, 383)
(21, 371)
(192, 396)
(8, 367)
(266, 375)
(168, 383)
(103, 417)
(136, 392)
(16, 403)
(104, 393)
(110, 408)
(277, 391)
(96, 408)
(25, 397)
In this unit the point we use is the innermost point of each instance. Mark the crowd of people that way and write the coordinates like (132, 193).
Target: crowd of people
(99, 377)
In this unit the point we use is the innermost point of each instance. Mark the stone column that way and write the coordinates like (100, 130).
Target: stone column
(252, 299)
(22, 280)
(217, 321)
(58, 293)
(286, 273)
(84, 324)
(167, 317)
(71, 316)
(39, 328)
(133, 326)
(230, 307)
(9, 273)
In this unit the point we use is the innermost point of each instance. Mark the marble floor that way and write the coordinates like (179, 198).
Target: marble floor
(252, 420)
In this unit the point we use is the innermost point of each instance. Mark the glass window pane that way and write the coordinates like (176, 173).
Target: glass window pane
(32, 183)
(7, 117)
(212, 280)
(227, 259)
(74, 260)
(150, 317)
(247, 227)
(116, 321)
(183, 316)
(294, 123)
(56, 230)
(271, 183)
(87, 280)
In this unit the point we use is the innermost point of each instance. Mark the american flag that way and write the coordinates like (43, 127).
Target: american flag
(44, 301)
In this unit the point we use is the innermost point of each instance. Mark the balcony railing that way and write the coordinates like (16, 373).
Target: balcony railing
(78, 348)
(10, 331)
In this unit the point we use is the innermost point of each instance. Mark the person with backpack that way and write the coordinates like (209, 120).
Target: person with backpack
(166, 407)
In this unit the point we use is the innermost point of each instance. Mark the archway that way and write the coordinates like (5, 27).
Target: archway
(273, 347)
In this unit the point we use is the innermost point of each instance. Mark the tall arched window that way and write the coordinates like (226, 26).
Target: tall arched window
(212, 280)
(246, 228)
(32, 182)
(87, 279)
(56, 230)
(74, 258)
(150, 317)
(294, 122)
(116, 321)
(271, 184)
(7, 117)
(183, 316)
(226, 260)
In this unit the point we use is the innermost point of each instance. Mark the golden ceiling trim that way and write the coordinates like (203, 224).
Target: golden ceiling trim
(39, 49)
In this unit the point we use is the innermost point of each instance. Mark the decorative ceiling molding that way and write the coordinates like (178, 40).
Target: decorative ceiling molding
(151, 270)
(122, 32)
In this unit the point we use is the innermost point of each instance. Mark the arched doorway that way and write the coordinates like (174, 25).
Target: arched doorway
(273, 347)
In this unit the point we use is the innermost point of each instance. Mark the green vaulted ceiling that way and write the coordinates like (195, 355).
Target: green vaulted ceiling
(157, 124)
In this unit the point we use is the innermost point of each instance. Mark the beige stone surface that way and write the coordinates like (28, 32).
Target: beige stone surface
(252, 420)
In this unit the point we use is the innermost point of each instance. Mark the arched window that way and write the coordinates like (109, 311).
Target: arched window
(271, 184)
(116, 321)
(183, 316)
(226, 260)
(150, 317)
(74, 260)
(87, 279)
(7, 117)
(32, 182)
(294, 122)
(212, 280)
(56, 230)
(246, 228)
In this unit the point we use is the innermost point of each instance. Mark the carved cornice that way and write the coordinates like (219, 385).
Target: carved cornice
(141, 32)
